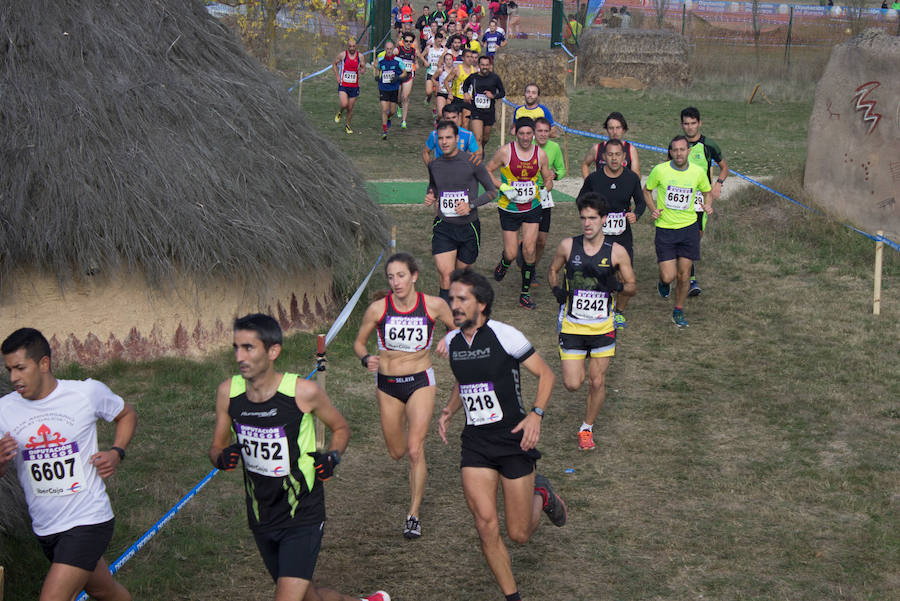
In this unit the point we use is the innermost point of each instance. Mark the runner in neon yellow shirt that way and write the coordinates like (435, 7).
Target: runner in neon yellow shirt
(677, 241)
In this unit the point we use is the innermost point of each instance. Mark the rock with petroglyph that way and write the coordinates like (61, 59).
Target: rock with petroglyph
(853, 152)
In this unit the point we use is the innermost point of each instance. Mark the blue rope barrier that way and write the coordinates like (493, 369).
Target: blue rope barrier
(155, 528)
(874, 237)
(319, 72)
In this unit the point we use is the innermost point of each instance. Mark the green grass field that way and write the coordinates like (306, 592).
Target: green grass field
(752, 456)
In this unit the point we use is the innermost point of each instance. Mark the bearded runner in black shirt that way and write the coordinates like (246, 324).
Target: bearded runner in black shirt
(271, 416)
(453, 191)
(619, 187)
(499, 439)
(482, 90)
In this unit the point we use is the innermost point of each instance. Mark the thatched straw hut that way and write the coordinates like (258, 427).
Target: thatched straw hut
(650, 56)
(157, 181)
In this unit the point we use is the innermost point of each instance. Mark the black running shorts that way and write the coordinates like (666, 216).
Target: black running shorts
(388, 95)
(81, 546)
(291, 552)
(511, 222)
(461, 104)
(403, 387)
(545, 220)
(464, 238)
(683, 242)
(487, 117)
(499, 451)
(626, 239)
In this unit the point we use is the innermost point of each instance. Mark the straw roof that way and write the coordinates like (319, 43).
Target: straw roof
(140, 136)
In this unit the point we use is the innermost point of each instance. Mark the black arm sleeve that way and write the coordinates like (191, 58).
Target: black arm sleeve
(637, 195)
(501, 92)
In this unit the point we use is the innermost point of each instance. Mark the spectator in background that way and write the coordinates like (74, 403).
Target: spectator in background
(615, 21)
(503, 14)
(514, 19)
(625, 15)
(493, 8)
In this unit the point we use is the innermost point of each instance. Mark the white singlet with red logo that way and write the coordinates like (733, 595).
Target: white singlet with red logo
(57, 436)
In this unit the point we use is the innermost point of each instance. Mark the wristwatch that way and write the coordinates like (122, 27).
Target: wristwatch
(539, 411)
(120, 451)
(719, 180)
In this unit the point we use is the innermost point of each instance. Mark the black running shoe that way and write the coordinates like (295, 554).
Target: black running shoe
(554, 506)
(500, 271)
(526, 302)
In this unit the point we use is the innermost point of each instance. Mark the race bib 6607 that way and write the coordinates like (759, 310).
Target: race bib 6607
(55, 471)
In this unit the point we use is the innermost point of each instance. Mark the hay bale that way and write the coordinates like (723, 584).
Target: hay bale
(853, 149)
(547, 68)
(653, 57)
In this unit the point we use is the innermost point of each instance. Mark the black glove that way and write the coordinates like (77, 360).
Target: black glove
(560, 294)
(325, 463)
(228, 458)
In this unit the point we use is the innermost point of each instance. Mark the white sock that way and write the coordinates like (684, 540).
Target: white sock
(588, 427)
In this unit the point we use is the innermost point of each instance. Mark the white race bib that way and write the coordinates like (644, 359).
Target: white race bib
(615, 224)
(265, 450)
(492, 47)
(590, 305)
(525, 191)
(698, 202)
(387, 77)
(546, 199)
(55, 471)
(482, 101)
(678, 198)
(407, 65)
(448, 201)
(348, 77)
(480, 403)
(407, 334)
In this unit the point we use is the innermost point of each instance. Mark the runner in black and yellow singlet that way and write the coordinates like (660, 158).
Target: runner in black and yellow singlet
(269, 416)
(587, 303)
(405, 386)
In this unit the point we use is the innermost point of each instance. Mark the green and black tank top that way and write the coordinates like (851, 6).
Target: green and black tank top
(279, 477)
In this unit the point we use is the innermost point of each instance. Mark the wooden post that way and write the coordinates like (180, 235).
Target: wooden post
(879, 250)
(575, 73)
(393, 239)
(502, 124)
(300, 90)
(320, 379)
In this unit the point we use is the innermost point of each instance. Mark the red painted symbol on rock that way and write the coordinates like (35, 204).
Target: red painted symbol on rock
(863, 104)
(43, 433)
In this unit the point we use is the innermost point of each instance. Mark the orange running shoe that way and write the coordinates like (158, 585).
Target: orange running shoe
(586, 440)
